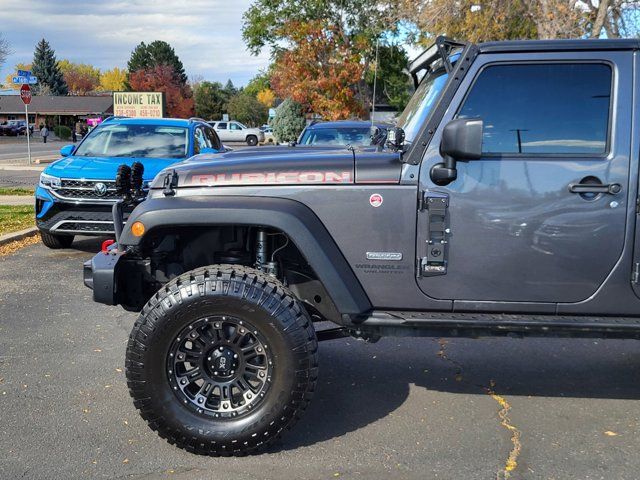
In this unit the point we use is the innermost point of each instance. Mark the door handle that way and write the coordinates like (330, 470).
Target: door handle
(611, 189)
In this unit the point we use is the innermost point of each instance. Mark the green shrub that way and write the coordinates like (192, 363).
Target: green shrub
(288, 122)
(62, 132)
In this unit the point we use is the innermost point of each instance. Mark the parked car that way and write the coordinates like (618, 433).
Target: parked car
(13, 128)
(76, 193)
(233, 131)
(342, 132)
(268, 134)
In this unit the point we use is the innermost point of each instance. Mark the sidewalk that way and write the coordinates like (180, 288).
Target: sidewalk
(16, 200)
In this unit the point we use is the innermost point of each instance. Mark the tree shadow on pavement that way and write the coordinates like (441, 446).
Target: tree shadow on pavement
(360, 384)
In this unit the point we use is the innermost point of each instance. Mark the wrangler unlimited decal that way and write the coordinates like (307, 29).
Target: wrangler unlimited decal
(276, 178)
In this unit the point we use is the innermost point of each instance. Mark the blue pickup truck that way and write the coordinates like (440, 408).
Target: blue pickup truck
(75, 194)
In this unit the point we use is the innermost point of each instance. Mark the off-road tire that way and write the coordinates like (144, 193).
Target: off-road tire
(214, 291)
(56, 241)
(252, 140)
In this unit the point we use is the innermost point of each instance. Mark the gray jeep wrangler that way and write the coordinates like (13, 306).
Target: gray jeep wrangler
(504, 203)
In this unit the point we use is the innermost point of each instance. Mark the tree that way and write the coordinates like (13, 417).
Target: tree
(210, 100)
(45, 67)
(258, 83)
(162, 78)
(5, 50)
(113, 80)
(319, 71)
(81, 78)
(246, 109)
(393, 85)
(266, 97)
(230, 89)
(351, 26)
(481, 20)
(9, 77)
(145, 57)
(288, 122)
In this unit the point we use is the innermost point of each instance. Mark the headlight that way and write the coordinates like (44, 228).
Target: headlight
(48, 181)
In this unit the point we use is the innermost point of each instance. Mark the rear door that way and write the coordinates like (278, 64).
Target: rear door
(523, 225)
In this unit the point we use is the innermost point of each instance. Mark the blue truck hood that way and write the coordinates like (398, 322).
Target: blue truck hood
(104, 168)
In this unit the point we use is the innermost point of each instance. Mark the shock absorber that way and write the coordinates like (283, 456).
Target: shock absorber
(261, 249)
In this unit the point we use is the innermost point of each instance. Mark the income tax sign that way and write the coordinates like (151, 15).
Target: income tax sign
(138, 104)
(25, 94)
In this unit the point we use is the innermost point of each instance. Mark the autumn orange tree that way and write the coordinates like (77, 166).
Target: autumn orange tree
(323, 49)
(320, 71)
(163, 78)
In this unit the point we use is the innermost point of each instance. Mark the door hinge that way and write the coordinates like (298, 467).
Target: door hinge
(635, 275)
(437, 244)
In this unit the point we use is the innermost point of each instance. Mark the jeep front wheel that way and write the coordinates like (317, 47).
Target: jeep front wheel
(252, 140)
(222, 360)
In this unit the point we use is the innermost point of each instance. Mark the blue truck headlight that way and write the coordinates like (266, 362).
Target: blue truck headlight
(48, 181)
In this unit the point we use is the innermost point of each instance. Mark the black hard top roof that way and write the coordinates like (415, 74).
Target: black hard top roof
(559, 45)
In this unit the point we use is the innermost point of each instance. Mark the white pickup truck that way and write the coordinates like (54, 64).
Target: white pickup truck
(233, 131)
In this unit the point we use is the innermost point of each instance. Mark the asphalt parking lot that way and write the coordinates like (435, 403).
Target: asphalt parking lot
(402, 408)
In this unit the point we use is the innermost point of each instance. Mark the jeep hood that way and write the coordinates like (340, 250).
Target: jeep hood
(283, 165)
(104, 168)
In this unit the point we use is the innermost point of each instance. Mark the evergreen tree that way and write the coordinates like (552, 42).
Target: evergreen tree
(146, 57)
(229, 89)
(288, 122)
(45, 67)
(210, 100)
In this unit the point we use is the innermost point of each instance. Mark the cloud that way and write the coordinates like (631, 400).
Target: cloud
(206, 34)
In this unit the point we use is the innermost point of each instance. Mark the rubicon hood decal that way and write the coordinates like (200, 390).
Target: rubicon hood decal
(270, 178)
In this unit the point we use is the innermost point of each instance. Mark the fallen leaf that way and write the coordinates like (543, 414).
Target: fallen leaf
(610, 433)
(126, 460)
(119, 370)
(97, 350)
(85, 410)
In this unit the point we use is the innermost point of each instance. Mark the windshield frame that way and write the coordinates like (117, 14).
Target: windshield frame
(98, 128)
(415, 152)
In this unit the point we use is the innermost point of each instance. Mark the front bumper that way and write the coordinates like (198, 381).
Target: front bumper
(73, 218)
(100, 275)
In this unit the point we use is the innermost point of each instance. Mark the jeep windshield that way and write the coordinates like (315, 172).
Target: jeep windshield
(418, 108)
(141, 141)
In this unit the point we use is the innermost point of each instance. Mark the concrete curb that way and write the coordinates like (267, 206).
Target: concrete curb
(15, 236)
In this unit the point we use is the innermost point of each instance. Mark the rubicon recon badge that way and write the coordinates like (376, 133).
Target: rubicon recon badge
(376, 200)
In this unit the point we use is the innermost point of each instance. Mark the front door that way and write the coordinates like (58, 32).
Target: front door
(523, 223)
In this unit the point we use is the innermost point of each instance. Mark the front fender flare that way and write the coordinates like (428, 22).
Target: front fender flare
(298, 221)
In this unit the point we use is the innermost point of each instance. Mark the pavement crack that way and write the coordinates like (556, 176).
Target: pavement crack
(512, 460)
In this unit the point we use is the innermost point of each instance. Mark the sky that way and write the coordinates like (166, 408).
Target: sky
(206, 34)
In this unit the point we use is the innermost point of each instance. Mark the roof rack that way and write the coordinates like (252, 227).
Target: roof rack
(442, 49)
(114, 117)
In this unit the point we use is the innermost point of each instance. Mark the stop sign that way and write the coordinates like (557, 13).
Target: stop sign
(25, 94)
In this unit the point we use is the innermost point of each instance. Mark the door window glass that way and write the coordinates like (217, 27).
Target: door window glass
(200, 141)
(234, 126)
(542, 108)
(212, 137)
(221, 126)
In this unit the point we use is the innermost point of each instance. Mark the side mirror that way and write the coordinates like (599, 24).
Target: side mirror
(67, 150)
(461, 141)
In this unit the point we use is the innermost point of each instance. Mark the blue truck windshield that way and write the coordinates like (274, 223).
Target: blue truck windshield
(141, 141)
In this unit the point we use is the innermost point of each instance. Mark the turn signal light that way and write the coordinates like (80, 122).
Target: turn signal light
(137, 229)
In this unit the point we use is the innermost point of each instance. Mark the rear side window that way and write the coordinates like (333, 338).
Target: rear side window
(221, 126)
(542, 108)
